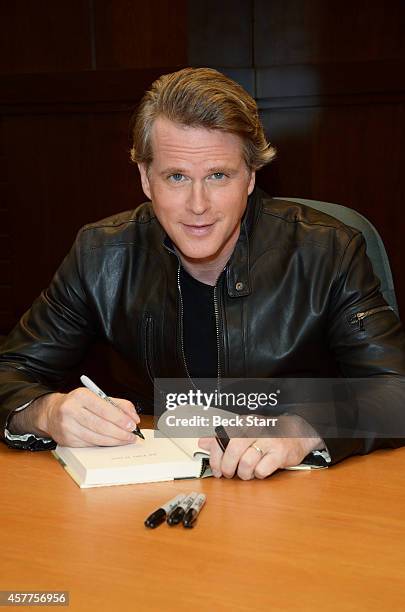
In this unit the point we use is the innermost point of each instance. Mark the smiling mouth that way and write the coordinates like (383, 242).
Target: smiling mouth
(198, 230)
(198, 225)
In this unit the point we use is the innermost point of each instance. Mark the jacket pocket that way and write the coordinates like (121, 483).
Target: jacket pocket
(358, 320)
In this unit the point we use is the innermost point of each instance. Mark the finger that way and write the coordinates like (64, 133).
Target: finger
(289, 451)
(234, 451)
(83, 437)
(127, 407)
(103, 427)
(248, 462)
(205, 443)
(211, 445)
(102, 408)
(271, 462)
(216, 455)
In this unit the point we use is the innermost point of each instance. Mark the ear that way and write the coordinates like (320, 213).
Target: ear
(145, 180)
(252, 181)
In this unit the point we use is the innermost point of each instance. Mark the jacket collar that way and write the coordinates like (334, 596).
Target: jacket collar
(237, 271)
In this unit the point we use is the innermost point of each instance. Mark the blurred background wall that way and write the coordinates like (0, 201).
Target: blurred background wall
(328, 76)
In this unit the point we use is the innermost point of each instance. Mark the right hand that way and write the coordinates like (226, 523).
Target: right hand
(81, 418)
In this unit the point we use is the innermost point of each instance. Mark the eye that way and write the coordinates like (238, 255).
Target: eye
(218, 176)
(176, 178)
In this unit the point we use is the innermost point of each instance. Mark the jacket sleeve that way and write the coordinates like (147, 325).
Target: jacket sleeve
(50, 339)
(367, 340)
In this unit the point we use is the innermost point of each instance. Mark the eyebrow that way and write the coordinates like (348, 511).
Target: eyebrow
(220, 168)
(173, 170)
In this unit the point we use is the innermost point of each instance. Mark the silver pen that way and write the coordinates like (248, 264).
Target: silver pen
(89, 384)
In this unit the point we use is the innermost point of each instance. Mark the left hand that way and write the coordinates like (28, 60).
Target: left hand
(243, 459)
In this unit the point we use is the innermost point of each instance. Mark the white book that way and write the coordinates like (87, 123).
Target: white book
(151, 460)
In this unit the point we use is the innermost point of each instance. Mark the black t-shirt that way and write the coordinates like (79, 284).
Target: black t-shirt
(199, 330)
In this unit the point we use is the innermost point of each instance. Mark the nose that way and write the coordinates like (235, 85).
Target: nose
(198, 201)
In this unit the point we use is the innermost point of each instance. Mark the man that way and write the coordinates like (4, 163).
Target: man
(210, 279)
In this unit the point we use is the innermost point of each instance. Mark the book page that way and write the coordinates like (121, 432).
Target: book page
(144, 452)
(190, 446)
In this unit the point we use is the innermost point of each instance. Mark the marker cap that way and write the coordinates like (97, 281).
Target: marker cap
(190, 518)
(156, 518)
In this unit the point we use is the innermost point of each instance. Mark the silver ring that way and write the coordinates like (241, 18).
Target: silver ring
(258, 449)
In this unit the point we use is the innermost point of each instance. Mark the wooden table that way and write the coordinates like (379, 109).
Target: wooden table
(331, 540)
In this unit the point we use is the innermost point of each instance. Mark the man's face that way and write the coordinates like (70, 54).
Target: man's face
(198, 183)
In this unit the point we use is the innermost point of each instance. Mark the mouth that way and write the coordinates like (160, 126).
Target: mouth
(198, 229)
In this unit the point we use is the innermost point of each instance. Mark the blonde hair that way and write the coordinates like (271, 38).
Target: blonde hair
(201, 97)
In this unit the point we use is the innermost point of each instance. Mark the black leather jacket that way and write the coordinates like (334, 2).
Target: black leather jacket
(287, 304)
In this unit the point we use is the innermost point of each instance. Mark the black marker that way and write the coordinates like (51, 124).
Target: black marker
(159, 516)
(178, 513)
(221, 437)
(190, 516)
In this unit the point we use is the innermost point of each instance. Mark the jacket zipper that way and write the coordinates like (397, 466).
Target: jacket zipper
(358, 317)
(216, 311)
(181, 326)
